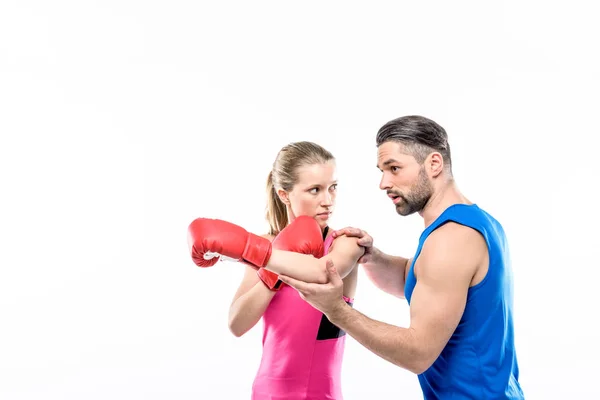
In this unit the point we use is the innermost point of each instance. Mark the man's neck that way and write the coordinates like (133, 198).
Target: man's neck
(442, 198)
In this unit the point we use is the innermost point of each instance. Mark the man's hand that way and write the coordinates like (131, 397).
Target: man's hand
(325, 297)
(364, 239)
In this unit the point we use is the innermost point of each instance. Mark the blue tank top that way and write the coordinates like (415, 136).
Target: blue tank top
(479, 362)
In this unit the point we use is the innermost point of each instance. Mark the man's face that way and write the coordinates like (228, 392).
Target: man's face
(404, 179)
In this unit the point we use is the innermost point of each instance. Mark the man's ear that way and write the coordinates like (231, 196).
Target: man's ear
(435, 163)
(283, 196)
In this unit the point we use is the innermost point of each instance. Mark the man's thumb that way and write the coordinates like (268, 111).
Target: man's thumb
(332, 271)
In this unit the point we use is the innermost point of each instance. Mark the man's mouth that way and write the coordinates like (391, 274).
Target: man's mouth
(395, 198)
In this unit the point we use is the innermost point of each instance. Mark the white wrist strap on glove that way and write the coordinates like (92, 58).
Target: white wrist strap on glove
(209, 255)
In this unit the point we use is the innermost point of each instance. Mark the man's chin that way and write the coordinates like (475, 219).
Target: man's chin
(404, 211)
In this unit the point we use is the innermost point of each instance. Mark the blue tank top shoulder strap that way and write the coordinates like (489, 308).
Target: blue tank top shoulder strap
(465, 214)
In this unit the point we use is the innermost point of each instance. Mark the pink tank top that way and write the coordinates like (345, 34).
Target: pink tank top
(302, 350)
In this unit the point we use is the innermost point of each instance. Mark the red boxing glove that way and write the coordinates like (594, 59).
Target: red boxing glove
(211, 239)
(301, 236)
(270, 279)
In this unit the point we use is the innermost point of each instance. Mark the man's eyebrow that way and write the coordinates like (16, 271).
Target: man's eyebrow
(388, 162)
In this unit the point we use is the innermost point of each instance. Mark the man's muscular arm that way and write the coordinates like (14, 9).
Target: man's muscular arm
(448, 261)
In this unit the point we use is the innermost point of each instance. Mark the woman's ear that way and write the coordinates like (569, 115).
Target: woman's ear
(283, 196)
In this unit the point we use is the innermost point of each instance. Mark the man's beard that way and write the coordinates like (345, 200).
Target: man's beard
(418, 196)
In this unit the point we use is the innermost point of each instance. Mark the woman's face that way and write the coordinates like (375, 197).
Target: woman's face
(314, 193)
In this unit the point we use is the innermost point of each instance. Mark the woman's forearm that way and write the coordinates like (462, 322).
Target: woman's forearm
(247, 310)
(299, 266)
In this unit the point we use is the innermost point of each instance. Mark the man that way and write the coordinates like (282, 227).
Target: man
(458, 284)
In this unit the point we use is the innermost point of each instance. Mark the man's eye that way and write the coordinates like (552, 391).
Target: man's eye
(333, 187)
(395, 169)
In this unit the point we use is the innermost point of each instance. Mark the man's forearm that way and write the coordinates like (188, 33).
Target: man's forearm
(387, 272)
(392, 343)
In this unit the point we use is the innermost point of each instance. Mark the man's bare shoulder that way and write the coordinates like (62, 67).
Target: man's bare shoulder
(452, 247)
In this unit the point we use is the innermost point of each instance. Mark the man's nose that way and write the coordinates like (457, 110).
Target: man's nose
(384, 184)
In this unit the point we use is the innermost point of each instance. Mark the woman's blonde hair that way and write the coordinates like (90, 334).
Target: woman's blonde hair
(284, 175)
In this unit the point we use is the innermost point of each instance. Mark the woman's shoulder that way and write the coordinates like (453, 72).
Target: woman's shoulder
(268, 236)
(330, 231)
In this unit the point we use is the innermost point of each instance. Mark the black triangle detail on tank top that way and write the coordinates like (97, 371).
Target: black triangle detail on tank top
(327, 330)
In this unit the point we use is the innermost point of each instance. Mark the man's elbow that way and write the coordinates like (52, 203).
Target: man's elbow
(415, 366)
(421, 362)
(420, 366)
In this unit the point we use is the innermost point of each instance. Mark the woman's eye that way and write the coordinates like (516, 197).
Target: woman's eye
(333, 187)
(314, 190)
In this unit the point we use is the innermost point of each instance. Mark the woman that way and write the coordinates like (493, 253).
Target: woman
(302, 350)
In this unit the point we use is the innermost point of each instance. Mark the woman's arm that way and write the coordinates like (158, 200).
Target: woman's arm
(249, 302)
(387, 272)
(344, 253)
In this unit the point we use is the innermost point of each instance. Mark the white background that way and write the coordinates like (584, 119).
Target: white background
(122, 121)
